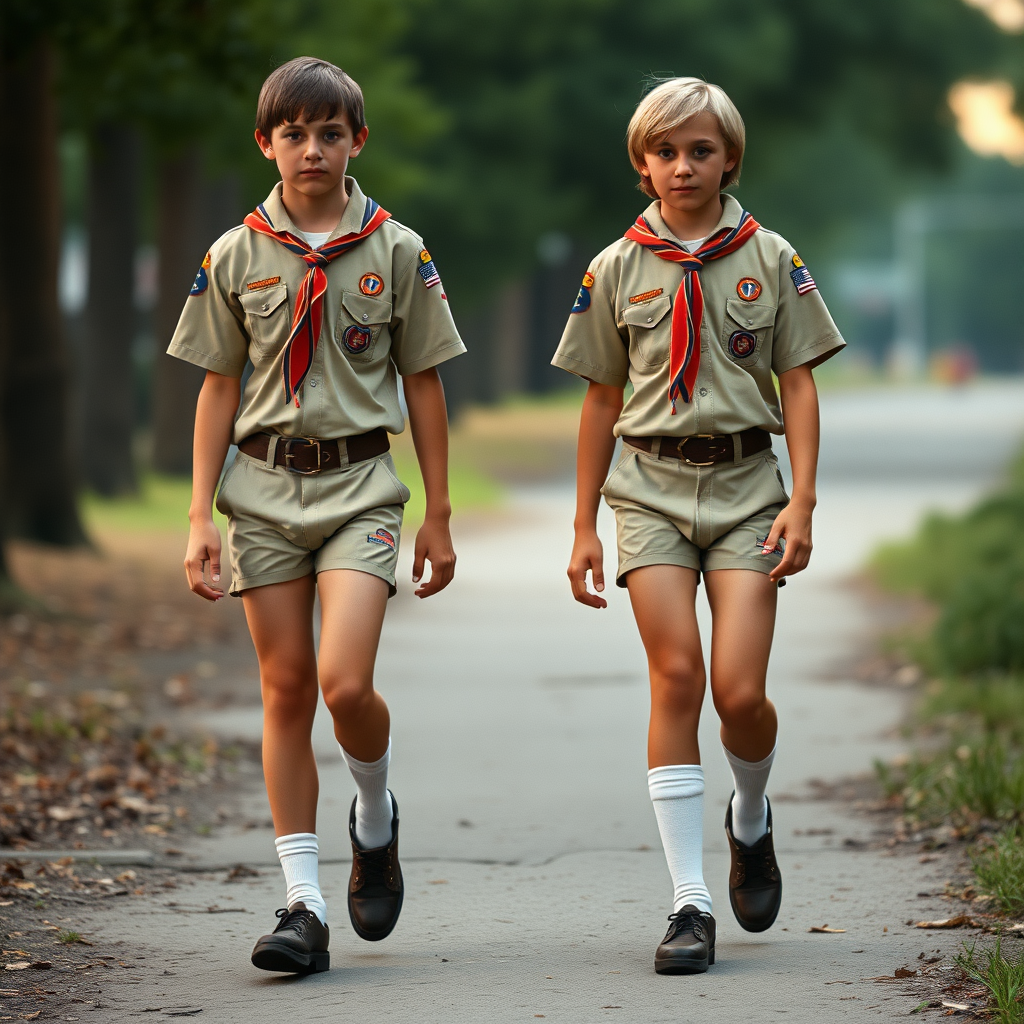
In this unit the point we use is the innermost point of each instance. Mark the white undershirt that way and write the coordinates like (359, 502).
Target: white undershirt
(692, 246)
(316, 238)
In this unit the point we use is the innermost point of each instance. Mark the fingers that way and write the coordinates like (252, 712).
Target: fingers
(578, 581)
(418, 560)
(196, 581)
(796, 559)
(442, 572)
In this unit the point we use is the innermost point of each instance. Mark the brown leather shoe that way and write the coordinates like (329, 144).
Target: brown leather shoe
(375, 887)
(755, 882)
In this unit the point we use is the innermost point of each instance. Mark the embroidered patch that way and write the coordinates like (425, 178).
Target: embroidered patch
(644, 296)
(427, 270)
(759, 543)
(266, 282)
(801, 277)
(202, 281)
(356, 339)
(742, 344)
(371, 284)
(749, 288)
(381, 536)
(582, 303)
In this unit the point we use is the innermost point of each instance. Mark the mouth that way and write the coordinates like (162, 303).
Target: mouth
(685, 188)
(312, 173)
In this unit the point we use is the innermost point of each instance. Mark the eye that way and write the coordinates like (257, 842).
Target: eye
(701, 152)
(293, 136)
(666, 154)
(332, 136)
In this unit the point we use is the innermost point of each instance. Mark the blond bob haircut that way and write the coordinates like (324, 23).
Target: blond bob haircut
(670, 105)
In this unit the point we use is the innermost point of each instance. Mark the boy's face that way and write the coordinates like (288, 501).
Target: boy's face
(312, 156)
(686, 167)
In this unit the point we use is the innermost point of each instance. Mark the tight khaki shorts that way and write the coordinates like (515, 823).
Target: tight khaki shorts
(283, 526)
(699, 517)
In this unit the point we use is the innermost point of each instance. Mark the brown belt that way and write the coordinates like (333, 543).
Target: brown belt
(307, 455)
(705, 449)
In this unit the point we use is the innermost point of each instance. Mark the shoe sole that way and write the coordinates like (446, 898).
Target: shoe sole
(376, 937)
(270, 957)
(667, 965)
(759, 926)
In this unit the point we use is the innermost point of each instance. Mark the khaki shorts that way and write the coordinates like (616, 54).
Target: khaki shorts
(283, 526)
(699, 517)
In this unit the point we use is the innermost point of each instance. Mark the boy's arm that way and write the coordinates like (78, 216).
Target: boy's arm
(799, 399)
(215, 417)
(601, 409)
(428, 420)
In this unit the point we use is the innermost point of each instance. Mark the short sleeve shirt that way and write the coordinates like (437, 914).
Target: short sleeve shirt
(763, 315)
(385, 313)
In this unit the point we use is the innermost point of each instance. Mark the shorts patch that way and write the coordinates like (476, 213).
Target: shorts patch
(742, 344)
(427, 270)
(801, 276)
(202, 281)
(371, 284)
(356, 339)
(644, 296)
(381, 536)
(265, 282)
(749, 288)
(582, 303)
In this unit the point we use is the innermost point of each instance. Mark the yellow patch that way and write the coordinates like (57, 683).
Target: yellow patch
(644, 296)
(424, 256)
(797, 262)
(265, 282)
(206, 262)
(588, 280)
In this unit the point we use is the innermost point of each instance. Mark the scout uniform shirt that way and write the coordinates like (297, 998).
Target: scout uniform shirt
(382, 314)
(762, 314)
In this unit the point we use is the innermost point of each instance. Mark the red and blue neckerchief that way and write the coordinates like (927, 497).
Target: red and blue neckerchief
(309, 304)
(688, 309)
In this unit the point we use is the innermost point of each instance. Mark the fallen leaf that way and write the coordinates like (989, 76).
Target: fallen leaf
(9, 991)
(18, 965)
(960, 921)
(6, 903)
(825, 928)
(955, 1006)
(904, 972)
(41, 965)
(24, 885)
(31, 1016)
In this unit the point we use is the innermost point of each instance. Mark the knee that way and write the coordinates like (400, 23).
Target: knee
(346, 696)
(740, 705)
(677, 683)
(288, 691)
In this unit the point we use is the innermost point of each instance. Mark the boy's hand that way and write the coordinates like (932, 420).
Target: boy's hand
(587, 556)
(434, 545)
(203, 548)
(794, 524)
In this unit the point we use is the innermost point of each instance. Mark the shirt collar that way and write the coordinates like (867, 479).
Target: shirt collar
(731, 213)
(351, 220)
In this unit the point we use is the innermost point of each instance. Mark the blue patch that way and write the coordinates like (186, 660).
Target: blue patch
(582, 303)
(742, 344)
(356, 339)
(801, 276)
(202, 281)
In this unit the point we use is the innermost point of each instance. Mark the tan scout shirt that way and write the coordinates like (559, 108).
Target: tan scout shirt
(245, 313)
(624, 334)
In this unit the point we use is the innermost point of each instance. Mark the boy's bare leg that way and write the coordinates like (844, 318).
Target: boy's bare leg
(663, 603)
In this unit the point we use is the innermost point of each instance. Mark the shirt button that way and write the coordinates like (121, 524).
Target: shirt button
(703, 392)
(312, 383)
(650, 319)
(366, 316)
(266, 306)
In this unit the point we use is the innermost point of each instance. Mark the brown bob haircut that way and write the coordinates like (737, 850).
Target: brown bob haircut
(310, 89)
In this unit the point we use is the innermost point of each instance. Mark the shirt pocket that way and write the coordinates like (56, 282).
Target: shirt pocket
(747, 331)
(650, 330)
(266, 318)
(361, 322)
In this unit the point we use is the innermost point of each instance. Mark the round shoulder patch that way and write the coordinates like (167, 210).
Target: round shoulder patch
(582, 303)
(371, 284)
(202, 281)
(742, 344)
(749, 288)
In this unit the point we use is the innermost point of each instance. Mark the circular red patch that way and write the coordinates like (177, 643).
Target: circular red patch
(356, 339)
(371, 284)
(742, 344)
(749, 288)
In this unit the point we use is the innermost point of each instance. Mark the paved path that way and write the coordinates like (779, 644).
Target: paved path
(536, 886)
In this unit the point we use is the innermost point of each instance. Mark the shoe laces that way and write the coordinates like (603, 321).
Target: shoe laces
(687, 920)
(300, 920)
(757, 861)
(375, 867)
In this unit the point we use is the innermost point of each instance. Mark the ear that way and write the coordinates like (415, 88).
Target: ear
(734, 159)
(359, 141)
(266, 146)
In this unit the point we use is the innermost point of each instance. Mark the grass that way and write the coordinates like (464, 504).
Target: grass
(1002, 977)
(69, 938)
(999, 869)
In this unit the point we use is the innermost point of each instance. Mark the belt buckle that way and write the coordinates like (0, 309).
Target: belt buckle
(289, 455)
(693, 437)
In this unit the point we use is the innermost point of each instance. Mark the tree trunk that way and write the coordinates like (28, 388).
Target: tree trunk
(108, 398)
(34, 402)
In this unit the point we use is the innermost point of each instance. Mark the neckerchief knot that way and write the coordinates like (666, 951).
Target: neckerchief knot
(688, 307)
(309, 303)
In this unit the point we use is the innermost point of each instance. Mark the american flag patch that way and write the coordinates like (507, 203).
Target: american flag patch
(427, 270)
(801, 277)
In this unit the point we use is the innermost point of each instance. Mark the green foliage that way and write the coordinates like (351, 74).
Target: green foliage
(991, 705)
(999, 869)
(1002, 976)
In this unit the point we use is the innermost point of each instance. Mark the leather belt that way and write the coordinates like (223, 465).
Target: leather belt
(705, 449)
(308, 455)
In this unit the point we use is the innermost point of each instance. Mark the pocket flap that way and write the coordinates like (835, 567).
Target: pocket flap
(264, 301)
(647, 314)
(751, 314)
(364, 309)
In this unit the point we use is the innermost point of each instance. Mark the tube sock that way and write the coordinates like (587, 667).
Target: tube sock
(677, 792)
(373, 801)
(298, 855)
(749, 806)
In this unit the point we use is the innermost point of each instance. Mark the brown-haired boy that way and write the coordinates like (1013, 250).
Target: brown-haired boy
(330, 299)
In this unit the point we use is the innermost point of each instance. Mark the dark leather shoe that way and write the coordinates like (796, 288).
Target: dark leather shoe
(375, 888)
(755, 882)
(298, 943)
(689, 943)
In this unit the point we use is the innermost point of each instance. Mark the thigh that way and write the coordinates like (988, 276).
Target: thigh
(352, 605)
(280, 618)
(743, 622)
(664, 605)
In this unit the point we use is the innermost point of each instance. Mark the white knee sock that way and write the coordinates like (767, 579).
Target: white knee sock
(749, 806)
(298, 855)
(677, 791)
(373, 801)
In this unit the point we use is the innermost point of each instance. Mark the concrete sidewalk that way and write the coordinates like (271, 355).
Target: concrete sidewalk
(535, 882)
